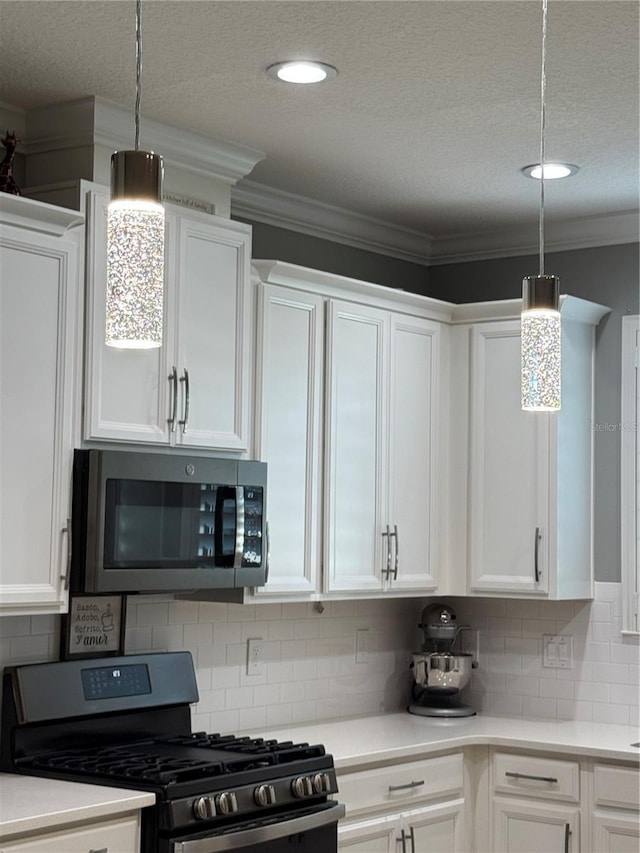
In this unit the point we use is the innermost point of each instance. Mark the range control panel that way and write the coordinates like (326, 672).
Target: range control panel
(109, 682)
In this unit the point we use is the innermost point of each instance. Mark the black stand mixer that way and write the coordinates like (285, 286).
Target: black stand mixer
(439, 673)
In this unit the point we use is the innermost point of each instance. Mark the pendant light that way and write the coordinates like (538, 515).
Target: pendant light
(540, 321)
(135, 239)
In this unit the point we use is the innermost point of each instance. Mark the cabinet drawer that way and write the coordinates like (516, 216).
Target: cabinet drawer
(542, 778)
(120, 835)
(401, 784)
(616, 786)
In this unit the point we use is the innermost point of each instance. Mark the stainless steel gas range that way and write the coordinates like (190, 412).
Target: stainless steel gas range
(126, 722)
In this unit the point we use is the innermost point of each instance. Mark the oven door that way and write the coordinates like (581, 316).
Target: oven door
(302, 831)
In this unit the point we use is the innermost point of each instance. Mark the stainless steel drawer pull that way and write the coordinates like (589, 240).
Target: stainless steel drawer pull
(101, 850)
(393, 788)
(551, 779)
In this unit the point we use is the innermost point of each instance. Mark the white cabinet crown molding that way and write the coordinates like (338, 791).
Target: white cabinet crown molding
(37, 216)
(345, 288)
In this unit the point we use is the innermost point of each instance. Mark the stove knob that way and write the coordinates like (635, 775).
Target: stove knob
(322, 783)
(302, 787)
(204, 808)
(227, 803)
(265, 795)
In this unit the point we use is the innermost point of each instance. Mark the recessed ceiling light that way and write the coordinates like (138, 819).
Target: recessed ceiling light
(302, 71)
(552, 171)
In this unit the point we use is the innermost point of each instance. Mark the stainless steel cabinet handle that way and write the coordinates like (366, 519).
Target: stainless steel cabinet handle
(551, 779)
(412, 839)
(101, 850)
(405, 787)
(567, 836)
(403, 839)
(65, 577)
(185, 422)
(536, 553)
(387, 533)
(397, 555)
(173, 383)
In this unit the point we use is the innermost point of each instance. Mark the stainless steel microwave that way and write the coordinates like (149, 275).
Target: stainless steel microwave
(150, 522)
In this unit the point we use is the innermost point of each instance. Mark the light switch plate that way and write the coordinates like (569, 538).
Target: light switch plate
(557, 651)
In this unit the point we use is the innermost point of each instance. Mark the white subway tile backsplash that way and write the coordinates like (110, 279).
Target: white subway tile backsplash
(310, 673)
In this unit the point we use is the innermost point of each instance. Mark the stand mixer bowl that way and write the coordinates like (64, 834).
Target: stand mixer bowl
(441, 672)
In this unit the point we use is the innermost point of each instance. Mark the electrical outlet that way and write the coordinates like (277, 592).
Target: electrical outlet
(254, 656)
(362, 645)
(557, 651)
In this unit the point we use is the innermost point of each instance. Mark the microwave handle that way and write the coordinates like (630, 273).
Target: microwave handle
(235, 493)
(240, 528)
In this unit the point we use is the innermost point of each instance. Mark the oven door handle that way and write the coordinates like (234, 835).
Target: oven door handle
(252, 838)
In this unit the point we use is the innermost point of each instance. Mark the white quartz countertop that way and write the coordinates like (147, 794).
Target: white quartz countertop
(29, 804)
(363, 740)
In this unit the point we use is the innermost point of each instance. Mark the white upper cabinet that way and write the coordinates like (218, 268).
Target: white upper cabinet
(40, 247)
(530, 492)
(348, 416)
(289, 433)
(356, 446)
(194, 390)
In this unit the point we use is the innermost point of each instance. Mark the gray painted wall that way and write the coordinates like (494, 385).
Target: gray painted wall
(608, 275)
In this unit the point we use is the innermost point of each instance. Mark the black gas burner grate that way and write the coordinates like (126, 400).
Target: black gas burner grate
(279, 752)
(173, 760)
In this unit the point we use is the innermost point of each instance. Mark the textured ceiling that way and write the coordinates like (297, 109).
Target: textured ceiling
(433, 113)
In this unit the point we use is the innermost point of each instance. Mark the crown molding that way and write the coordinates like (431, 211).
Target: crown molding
(95, 121)
(260, 203)
(582, 233)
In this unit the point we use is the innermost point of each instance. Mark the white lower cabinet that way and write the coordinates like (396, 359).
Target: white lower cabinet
(536, 804)
(119, 835)
(433, 829)
(616, 809)
(529, 827)
(545, 804)
(415, 807)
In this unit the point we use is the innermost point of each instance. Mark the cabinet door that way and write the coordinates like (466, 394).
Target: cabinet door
(436, 829)
(38, 307)
(616, 833)
(126, 391)
(356, 446)
(289, 422)
(120, 835)
(380, 835)
(213, 317)
(414, 363)
(523, 827)
(509, 464)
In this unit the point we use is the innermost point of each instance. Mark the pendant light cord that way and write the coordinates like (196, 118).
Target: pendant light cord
(138, 69)
(543, 89)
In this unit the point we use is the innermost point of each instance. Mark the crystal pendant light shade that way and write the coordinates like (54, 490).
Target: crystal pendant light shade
(135, 251)
(541, 344)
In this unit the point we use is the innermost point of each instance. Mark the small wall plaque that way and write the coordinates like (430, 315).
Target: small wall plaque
(94, 627)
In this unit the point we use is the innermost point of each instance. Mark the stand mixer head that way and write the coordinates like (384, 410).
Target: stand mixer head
(439, 673)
